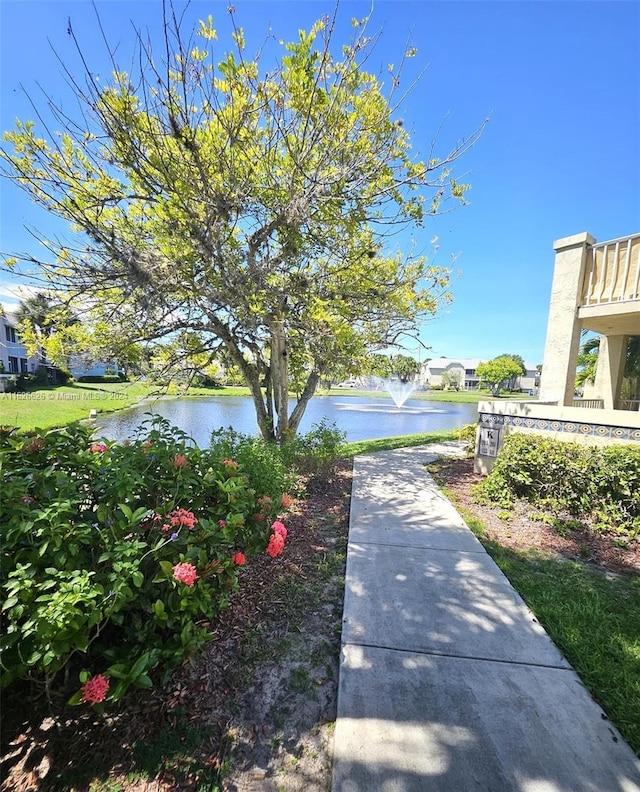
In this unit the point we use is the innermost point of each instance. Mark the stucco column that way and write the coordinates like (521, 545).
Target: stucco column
(557, 383)
(611, 360)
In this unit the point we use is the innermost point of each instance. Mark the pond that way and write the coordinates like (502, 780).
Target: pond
(362, 418)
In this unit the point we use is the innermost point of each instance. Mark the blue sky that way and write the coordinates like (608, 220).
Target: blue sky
(560, 82)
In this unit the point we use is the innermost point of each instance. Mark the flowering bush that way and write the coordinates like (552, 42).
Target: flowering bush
(116, 556)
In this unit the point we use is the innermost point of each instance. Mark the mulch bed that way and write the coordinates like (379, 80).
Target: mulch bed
(517, 530)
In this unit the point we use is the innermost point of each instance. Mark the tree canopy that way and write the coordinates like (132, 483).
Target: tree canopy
(495, 373)
(222, 205)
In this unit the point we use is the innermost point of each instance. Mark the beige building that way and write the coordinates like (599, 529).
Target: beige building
(596, 287)
(439, 371)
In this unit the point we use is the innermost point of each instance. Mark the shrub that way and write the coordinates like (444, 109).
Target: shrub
(264, 463)
(275, 467)
(599, 482)
(116, 557)
(311, 452)
(467, 433)
(97, 378)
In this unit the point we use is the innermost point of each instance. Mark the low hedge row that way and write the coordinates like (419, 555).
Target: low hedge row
(597, 483)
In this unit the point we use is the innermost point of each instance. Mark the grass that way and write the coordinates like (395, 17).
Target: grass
(594, 620)
(52, 406)
(48, 407)
(389, 443)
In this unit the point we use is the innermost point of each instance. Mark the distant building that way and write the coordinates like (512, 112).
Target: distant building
(463, 372)
(14, 359)
(13, 354)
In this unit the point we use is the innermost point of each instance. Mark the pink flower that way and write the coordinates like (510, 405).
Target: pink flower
(222, 523)
(179, 461)
(230, 463)
(276, 545)
(95, 689)
(179, 517)
(98, 448)
(239, 559)
(185, 573)
(286, 500)
(279, 528)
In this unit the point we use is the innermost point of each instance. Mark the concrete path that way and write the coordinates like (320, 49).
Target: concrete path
(447, 682)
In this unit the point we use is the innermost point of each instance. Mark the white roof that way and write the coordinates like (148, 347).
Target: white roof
(443, 362)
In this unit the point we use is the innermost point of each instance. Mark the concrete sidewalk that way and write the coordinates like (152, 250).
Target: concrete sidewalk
(447, 682)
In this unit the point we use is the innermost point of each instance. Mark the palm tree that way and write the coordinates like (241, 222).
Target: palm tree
(588, 363)
(37, 310)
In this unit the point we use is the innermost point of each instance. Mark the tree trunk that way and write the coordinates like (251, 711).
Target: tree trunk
(280, 378)
(301, 406)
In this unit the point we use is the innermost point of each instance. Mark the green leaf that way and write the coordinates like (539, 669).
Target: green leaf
(126, 511)
(119, 670)
(137, 579)
(75, 699)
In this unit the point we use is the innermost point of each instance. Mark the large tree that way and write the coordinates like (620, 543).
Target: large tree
(245, 208)
(498, 373)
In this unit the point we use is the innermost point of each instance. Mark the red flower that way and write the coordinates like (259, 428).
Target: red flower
(179, 461)
(185, 573)
(279, 528)
(95, 689)
(276, 545)
(98, 448)
(239, 559)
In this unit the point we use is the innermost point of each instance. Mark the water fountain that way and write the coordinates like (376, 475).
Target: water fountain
(398, 390)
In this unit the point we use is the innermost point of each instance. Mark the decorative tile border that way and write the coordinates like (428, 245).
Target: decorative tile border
(567, 427)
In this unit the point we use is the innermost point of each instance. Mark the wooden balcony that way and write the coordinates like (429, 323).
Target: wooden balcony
(610, 301)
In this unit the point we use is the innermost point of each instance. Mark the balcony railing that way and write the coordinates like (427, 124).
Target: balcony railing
(589, 404)
(628, 404)
(612, 272)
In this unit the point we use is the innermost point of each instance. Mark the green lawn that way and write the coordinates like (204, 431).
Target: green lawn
(48, 407)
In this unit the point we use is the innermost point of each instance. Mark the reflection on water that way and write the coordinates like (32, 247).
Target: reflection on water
(360, 417)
